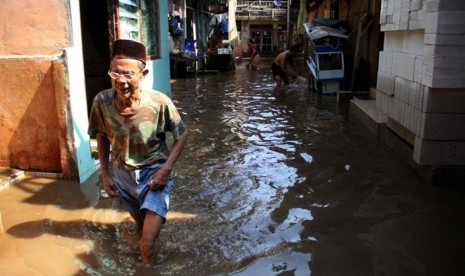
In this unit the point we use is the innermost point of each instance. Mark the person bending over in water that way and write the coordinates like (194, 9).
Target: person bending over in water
(254, 55)
(280, 67)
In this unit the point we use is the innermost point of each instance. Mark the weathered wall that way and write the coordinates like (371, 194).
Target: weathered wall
(33, 34)
(421, 81)
(29, 127)
(30, 27)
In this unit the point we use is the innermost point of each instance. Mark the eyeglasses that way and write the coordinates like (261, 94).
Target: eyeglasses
(127, 76)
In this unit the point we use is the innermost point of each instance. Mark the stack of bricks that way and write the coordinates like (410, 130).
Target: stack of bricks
(401, 15)
(421, 80)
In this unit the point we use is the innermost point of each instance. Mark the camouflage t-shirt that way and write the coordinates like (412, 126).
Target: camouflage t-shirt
(136, 139)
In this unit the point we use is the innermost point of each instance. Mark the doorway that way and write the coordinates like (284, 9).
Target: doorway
(96, 47)
(262, 34)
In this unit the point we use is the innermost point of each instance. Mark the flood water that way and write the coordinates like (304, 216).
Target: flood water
(272, 182)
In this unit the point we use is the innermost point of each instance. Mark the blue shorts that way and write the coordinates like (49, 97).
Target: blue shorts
(135, 196)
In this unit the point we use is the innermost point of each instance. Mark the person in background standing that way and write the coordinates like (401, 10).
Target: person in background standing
(175, 25)
(283, 65)
(253, 53)
(134, 124)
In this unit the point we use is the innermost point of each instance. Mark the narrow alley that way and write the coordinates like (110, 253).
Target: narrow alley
(272, 182)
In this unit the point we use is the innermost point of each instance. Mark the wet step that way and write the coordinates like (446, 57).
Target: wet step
(9, 176)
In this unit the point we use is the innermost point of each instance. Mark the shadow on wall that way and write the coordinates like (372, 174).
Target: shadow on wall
(32, 122)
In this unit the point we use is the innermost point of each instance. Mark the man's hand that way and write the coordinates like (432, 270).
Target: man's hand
(109, 187)
(159, 179)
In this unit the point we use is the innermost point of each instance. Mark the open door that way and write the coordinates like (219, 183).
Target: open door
(96, 47)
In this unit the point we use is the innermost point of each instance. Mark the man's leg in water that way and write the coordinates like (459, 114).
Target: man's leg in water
(150, 242)
(138, 219)
(277, 79)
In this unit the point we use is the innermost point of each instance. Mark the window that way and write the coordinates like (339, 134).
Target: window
(138, 20)
(330, 61)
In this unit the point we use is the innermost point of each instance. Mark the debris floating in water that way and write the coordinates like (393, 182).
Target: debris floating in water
(307, 157)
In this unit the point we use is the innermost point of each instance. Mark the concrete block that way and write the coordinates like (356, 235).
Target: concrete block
(386, 83)
(429, 49)
(451, 5)
(421, 22)
(385, 62)
(419, 97)
(383, 10)
(397, 5)
(382, 19)
(428, 60)
(432, 6)
(391, 108)
(445, 28)
(404, 65)
(390, 19)
(451, 16)
(427, 70)
(431, 28)
(406, 114)
(413, 25)
(395, 114)
(422, 15)
(445, 39)
(394, 42)
(418, 69)
(447, 82)
(416, 5)
(411, 96)
(414, 121)
(431, 17)
(396, 18)
(445, 51)
(413, 15)
(413, 42)
(384, 107)
(403, 26)
(445, 62)
(405, 12)
(378, 101)
(439, 153)
(399, 111)
(449, 72)
(390, 7)
(397, 88)
(444, 127)
(415, 89)
(444, 101)
(427, 80)
(418, 122)
(401, 131)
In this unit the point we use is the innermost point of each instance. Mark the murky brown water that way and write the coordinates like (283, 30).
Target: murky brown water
(271, 183)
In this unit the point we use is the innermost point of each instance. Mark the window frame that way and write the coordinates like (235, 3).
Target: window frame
(117, 29)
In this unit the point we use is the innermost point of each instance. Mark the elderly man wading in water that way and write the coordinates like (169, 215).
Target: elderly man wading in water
(135, 122)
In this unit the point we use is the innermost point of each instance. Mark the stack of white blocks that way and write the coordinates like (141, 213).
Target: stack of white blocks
(423, 55)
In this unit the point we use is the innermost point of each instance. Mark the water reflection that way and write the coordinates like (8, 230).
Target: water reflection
(284, 181)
